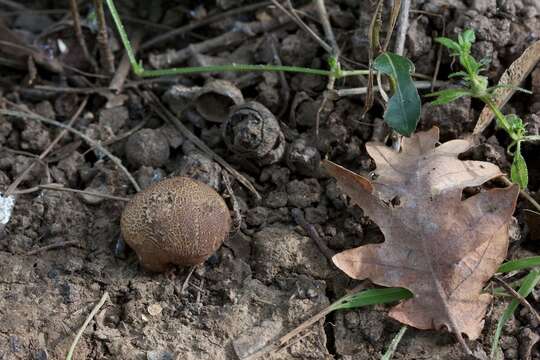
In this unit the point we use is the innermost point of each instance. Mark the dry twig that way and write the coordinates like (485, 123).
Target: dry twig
(168, 117)
(518, 297)
(107, 57)
(11, 189)
(74, 8)
(32, 116)
(93, 313)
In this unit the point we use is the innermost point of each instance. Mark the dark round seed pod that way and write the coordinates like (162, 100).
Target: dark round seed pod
(253, 132)
(177, 221)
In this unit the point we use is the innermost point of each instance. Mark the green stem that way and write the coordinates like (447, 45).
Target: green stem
(501, 119)
(139, 70)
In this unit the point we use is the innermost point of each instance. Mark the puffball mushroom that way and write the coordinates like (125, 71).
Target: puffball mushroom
(177, 221)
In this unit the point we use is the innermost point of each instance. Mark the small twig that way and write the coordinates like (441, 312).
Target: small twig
(60, 187)
(237, 220)
(298, 217)
(53, 246)
(440, 48)
(285, 89)
(32, 116)
(93, 313)
(122, 136)
(403, 26)
(209, 20)
(107, 57)
(13, 4)
(329, 34)
(230, 38)
(327, 27)
(74, 8)
(294, 17)
(168, 117)
(518, 297)
(49, 148)
(186, 281)
(524, 194)
(363, 90)
(121, 74)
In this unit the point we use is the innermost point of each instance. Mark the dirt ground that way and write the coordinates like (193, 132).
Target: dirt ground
(60, 252)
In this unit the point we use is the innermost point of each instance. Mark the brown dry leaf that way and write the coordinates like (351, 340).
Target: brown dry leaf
(513, 76)
(440, 247)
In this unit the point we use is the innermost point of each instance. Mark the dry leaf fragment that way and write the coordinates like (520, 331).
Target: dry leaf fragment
(440, 247)
(513, 77)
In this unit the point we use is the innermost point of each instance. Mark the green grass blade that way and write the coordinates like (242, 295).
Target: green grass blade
(393, 345)
(519, 264)
(371, 297)
(529, 282)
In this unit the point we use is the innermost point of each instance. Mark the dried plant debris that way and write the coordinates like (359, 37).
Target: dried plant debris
(509, 82)
(437, 245)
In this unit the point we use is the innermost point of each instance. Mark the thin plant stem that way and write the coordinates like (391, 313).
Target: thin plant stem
(107, 57)
(139, 70)
(501, 119)
(93, 313)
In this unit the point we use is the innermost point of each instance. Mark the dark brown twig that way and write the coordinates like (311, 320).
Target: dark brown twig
(74, 8)
(518, 297)
(106, 55)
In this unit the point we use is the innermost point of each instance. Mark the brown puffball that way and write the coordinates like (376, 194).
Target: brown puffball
(176, 221)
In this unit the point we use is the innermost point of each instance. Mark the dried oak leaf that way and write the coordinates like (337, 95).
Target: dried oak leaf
(440, 247)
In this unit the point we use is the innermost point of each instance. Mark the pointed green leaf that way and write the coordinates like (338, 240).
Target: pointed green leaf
(518, 172)
(448, 95)
(372, 297)
(403, 110)
(449, 43)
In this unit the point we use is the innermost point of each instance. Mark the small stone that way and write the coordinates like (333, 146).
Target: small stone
(147, 147)
(199, 167)
(276, 199)
(257, 216)
(303, 193)
(304, 159)
(114, 118)
(154, 309)
(159, 355)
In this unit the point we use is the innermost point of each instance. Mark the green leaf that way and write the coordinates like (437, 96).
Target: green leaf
(519, 264)
(448, 95)
(518, 172)
(458, 74)
(467, 37)
(371, 297)
(528, 284)
(449, 43)
(403, 110)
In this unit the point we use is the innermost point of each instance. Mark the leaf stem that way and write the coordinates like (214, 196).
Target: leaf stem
(501, 119)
